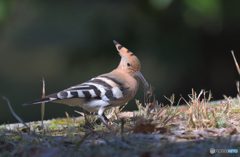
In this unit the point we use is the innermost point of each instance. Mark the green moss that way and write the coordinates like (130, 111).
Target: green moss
(12, 138)
(235, 110)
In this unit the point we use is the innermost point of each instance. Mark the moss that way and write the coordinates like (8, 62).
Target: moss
(235, 110)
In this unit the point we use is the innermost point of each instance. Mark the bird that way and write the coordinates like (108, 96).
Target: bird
(105, 91)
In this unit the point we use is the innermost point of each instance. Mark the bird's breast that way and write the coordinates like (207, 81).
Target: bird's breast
(129, 87)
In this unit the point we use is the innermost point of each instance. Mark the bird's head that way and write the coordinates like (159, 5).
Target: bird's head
(130, 63)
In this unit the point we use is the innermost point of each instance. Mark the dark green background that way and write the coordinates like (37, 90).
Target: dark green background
(182, 44)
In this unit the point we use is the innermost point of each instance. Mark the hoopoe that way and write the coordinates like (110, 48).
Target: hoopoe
(104, 91)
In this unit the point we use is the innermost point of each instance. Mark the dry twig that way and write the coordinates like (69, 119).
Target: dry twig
(13, 113)
(237, 66)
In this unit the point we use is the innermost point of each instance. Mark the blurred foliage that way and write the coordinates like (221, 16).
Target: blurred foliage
(181, 44)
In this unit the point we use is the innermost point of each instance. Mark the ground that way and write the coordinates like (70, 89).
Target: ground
(154, 130)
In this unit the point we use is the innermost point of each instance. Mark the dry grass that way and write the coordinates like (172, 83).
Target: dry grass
(159, 114)
(154, 130)
(201, 115)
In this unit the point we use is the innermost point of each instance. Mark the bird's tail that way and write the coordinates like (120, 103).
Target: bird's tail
(37, 101)
(48, 98)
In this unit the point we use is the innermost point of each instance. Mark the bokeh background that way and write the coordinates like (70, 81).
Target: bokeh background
(182, 44)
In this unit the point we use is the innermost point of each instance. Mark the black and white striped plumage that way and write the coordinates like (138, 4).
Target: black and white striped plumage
(105, 91)
(101, 89)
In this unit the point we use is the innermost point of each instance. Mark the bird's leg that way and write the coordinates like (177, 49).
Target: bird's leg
(105, 118)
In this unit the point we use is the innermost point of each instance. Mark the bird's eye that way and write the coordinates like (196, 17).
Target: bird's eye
(128, 64)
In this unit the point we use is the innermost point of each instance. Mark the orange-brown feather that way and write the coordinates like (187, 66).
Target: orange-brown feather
(128, 57)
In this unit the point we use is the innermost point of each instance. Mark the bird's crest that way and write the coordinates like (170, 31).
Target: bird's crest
(128, 57)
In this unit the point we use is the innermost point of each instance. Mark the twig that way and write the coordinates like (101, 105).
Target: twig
(81, 113)
(43, 104)
(185, 100)
(13, 113)
(238, 89)
(237, 66)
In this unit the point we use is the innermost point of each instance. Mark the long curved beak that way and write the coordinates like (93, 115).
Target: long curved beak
(145, 83)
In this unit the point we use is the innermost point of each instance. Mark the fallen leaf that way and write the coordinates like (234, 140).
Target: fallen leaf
(233, 131)
(140, 127)
(25, 129)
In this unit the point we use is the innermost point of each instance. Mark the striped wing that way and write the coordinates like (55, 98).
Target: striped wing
(101, 87)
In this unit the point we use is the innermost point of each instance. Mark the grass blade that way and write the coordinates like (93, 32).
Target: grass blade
(43, 104)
